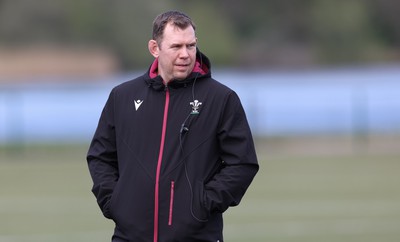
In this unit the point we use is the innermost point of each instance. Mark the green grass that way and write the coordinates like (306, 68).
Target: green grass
(45, 197)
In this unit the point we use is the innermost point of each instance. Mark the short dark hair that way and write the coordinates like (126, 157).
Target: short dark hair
(176, 18)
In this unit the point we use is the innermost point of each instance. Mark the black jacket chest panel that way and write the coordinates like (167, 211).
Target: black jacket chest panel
(139, 128)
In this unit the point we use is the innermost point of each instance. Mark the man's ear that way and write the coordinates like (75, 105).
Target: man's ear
(153, 48)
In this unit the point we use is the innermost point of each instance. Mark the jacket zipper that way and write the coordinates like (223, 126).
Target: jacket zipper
(160, 155)
(171, 203)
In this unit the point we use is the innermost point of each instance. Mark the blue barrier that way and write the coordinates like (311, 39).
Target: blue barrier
(346, 101)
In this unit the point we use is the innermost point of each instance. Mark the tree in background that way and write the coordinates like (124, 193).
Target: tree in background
(258, 33)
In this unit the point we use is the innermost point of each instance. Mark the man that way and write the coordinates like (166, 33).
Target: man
(173, 149)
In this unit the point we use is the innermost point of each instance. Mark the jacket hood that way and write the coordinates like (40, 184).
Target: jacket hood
(202, 69)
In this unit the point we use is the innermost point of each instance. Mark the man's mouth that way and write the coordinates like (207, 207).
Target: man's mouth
(182, 65)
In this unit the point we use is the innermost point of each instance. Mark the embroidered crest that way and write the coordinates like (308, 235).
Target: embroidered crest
(195, 106)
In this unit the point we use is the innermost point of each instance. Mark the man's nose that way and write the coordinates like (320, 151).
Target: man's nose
(184, 53)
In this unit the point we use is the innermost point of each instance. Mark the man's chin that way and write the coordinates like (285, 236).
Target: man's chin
(181, 76)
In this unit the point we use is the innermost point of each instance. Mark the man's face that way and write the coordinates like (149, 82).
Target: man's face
(176, 53)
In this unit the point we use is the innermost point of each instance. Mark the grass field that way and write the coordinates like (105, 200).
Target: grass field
(304, 192)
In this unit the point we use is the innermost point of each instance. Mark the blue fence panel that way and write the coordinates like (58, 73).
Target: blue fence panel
(277, 103)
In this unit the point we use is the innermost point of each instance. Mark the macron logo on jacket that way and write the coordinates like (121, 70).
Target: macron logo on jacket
(137, 104)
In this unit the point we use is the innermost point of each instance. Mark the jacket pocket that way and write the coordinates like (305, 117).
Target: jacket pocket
(199, 211)
(112, 201)
(171, 203)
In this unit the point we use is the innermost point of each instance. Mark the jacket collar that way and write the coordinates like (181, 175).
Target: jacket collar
(201, 69)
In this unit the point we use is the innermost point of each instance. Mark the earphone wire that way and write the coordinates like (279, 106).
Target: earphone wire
(188, 179)
(197, 74)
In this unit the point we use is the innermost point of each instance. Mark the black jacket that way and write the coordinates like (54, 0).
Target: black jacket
(165, 167)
